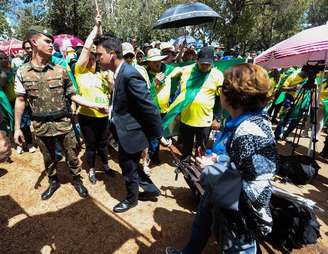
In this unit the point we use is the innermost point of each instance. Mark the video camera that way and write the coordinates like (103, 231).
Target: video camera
(312, 70)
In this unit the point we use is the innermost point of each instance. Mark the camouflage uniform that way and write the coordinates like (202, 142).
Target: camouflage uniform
(46, 90)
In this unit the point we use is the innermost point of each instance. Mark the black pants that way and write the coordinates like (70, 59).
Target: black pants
(27, 135)
(188, 135)
(95, 132)
(134, 175)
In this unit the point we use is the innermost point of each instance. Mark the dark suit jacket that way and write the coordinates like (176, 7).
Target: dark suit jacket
(134, 115)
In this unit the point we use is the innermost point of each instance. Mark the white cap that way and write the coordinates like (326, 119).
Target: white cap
(127, 48)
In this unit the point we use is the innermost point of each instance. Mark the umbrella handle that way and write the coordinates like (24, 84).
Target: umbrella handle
(98, 13)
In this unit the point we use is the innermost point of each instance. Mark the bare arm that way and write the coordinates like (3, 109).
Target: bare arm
(84, 102)
(85, 54)
(19, 111)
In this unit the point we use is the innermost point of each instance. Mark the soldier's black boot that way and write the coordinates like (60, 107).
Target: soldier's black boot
(53, 186)
(79, 187)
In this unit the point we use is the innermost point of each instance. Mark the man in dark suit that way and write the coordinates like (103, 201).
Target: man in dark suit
(134, 117)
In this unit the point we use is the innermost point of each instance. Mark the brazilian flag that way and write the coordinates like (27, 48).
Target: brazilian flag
(188, 93)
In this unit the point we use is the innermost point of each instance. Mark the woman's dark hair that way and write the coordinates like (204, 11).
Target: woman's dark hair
(110, 42)
(246, 86)
(24, 44)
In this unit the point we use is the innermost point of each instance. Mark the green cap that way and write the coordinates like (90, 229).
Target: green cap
(40, 29)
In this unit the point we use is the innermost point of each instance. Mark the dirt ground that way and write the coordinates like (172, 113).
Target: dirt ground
(68, 224)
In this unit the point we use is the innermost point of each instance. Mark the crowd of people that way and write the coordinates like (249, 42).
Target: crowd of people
(139, 98)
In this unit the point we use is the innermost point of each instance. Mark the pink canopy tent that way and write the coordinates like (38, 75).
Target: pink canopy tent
(307, 47)
(310, 45)
(11, 46)
(67, 40)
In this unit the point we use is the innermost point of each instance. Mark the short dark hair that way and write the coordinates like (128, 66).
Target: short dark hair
(110, 42)
(30, 34)
(246, 86)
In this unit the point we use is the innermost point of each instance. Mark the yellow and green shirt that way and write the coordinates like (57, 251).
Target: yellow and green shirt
(163, 92)
(293, 80)
(200, 112)
(95, 87)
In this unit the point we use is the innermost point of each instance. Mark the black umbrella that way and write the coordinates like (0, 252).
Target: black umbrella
(186, 15)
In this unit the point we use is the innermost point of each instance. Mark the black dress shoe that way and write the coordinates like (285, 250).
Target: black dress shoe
(149, 196)
(109, 172)
(79, 187)
(53, 186)
(123, 206)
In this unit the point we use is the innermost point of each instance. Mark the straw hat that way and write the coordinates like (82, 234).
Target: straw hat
(167, 46)
(154, 55)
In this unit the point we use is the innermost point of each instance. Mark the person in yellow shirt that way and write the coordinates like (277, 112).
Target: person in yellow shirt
(292, 85)
(162, 79)
(95, 87)
(198, 118)
(160, 76)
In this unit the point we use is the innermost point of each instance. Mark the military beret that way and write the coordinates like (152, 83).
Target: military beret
(40, 29)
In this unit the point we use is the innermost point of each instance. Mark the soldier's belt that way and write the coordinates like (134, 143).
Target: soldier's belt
(49, 116)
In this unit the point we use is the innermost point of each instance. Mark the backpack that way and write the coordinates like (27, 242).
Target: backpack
(299, 169)
(294, 224)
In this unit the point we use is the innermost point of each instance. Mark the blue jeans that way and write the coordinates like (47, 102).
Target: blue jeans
(291, 123)
(153, 148)
(201, 231)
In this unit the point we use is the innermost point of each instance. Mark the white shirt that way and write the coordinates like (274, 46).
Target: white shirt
(19, 88)
(118, 69)
(113, 96)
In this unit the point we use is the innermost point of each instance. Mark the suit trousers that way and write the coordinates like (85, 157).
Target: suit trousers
(133, 175)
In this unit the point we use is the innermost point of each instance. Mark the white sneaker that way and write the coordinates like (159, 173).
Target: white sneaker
(147, 170)
(19, 150)
(31, 149)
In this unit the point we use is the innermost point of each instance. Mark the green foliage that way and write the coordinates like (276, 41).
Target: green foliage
(5, 30)
(135, 18)
(276, 22)
(71, 16)
(4, 5)
(318, 12)
(246, 24)
(257, 24)
(28, 16)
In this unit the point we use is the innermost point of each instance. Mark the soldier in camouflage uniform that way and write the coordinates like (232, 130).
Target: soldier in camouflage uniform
(46, 88)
